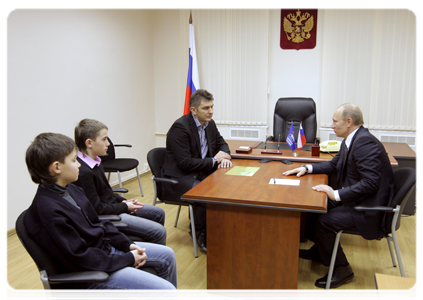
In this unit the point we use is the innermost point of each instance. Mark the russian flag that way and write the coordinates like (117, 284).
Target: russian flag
(301, 138)
(290, 139)
(193, 82)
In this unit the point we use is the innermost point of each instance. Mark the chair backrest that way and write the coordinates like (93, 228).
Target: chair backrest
(405, 183)
(295, 110)
(155, 159)
(41, 258)
(110, 152)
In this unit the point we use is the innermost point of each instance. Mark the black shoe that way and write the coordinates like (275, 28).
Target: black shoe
(202, 241)
(310, 255)
(341, 275)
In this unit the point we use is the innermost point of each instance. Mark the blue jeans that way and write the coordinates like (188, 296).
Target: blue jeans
(146, 223)
(161, 258)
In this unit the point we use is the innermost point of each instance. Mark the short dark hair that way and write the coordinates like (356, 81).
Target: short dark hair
(45, 150)
(198, 96)
(87, 129)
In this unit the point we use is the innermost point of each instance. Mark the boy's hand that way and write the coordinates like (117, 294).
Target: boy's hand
(133, 205)
(140, 256)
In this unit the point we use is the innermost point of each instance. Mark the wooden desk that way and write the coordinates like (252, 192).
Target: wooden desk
(389, 282)
(253, 228)
(406, 158)
(400, 155)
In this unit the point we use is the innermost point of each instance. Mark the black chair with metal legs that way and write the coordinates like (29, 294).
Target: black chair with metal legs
(155, 159)
(405, 182)
(118, 165)
(49, 274)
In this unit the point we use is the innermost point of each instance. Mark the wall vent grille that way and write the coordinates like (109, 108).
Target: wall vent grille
(245, 133)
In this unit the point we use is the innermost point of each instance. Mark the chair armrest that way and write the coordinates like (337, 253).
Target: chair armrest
(374, 208)
(167, 180)
(120, 190)
(85, 276)
(123, 145)
(112, 218)
(120, 225)
(269, 138)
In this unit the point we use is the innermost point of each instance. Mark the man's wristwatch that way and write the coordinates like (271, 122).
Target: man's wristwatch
(305, 168)
(214, 160)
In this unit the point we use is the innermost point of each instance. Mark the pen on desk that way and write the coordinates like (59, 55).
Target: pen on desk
(274, 180)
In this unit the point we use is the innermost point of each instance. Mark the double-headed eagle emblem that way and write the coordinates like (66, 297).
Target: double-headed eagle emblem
(297, 27)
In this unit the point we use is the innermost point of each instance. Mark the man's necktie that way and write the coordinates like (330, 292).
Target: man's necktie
(344, 153)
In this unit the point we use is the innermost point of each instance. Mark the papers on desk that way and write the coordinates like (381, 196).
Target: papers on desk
(242, 171)
(278, 181)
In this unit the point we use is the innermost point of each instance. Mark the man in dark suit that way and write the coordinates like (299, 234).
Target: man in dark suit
(194, 149)
(364, 177)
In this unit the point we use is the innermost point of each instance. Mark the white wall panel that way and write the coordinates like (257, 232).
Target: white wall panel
(369, 59)
(232, 51)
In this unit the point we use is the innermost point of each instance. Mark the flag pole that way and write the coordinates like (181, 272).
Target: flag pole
(190, 17)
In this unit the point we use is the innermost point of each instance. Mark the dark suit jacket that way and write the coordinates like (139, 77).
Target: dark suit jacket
(99, 191)
(183, 155)
(366, 179)
(74, 237)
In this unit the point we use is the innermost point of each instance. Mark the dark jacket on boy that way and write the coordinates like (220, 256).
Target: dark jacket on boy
(73, 235)
(99, 191)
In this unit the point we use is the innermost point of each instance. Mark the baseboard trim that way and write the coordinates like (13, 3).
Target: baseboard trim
(11, 232)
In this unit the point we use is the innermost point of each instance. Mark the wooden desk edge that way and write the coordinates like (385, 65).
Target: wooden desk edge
(320, 209)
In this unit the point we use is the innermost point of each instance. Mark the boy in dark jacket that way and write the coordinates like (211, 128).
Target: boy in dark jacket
(145, 221)
(63, 222)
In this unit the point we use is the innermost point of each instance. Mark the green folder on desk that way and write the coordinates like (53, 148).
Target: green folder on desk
(242, 171)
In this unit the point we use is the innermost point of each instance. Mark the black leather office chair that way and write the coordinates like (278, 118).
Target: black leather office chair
(118, 165)
(294, 110)
(155, 159)
(49, 275)
(405, 182)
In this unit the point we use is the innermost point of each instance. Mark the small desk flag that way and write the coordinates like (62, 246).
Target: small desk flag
(301, 138)
(193, 82)
(290, 139)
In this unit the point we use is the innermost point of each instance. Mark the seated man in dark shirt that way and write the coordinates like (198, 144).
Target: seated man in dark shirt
(63, 222)
(194, 149)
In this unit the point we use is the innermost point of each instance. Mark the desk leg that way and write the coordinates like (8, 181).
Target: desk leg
(252, 248)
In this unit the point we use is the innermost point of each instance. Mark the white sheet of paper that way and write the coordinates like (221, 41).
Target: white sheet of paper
(295, 182)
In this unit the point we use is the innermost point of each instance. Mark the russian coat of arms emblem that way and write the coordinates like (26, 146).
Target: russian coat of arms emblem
(297, 27)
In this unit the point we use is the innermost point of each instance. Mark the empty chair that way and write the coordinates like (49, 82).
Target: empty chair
(295, 110)
(118, 165)
(155, 159)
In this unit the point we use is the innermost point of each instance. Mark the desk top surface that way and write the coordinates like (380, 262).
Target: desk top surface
(393, 150)
(256, 191)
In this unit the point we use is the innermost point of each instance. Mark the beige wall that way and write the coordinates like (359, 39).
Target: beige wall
(66, 65)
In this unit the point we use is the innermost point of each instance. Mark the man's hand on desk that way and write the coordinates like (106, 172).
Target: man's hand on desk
(225, 163)
(299, 171)
(325, 189)
(222, 155)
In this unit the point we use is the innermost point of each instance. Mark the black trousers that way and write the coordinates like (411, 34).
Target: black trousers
(322, 228)
(200, 219)
(200, 214)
